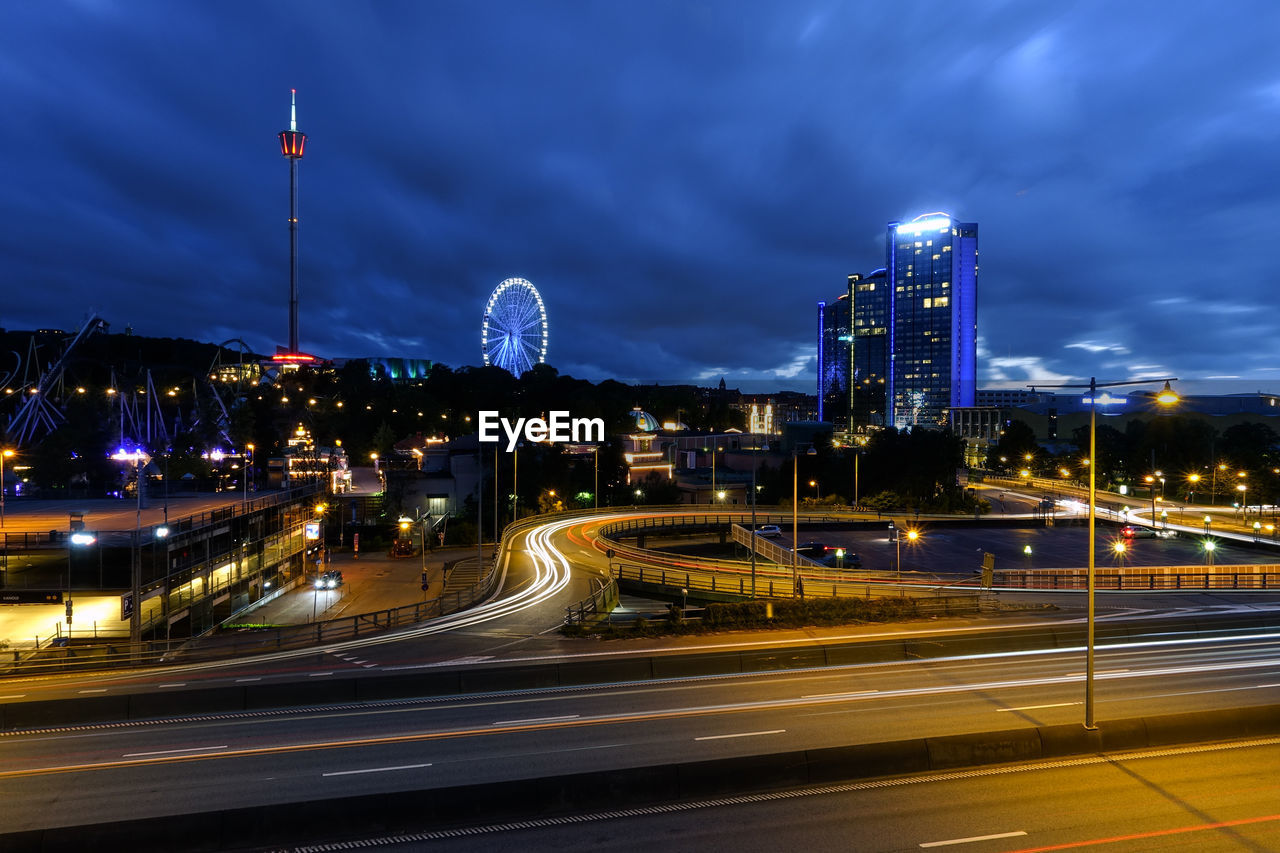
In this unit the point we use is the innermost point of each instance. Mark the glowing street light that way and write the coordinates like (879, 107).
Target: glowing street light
(1166, 397)
(1208, 552)
(4, 454)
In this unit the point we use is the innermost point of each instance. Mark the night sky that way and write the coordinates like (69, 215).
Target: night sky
(681, 180)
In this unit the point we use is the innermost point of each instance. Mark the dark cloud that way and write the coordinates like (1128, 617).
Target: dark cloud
(682, 181)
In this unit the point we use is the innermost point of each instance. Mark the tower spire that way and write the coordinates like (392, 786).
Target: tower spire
(292, 144)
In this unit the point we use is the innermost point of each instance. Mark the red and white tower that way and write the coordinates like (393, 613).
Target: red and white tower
(292, 143)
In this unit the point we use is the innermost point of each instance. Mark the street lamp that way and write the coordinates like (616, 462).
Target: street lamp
(861, 442)
(1208, 552)
(813, 484)
(4, 454)
(1213, 492)
(795, 516)
(1207, 519)
(1244, 503)
(1193, 479)
(1165, 397)
(912, 537)
(244, 472)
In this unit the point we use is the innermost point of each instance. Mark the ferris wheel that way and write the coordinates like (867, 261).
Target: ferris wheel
(514, 335)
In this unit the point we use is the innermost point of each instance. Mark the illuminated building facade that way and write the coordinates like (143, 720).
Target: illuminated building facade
(871, 300)
(834, 339)
(932, 262)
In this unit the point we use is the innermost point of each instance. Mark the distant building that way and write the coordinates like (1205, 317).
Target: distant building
(835, 336)
(932, 262)
(872, 308)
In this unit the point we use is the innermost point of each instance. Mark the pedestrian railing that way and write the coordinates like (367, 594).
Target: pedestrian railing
(600, 603)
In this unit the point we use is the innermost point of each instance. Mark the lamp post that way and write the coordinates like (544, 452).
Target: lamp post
(755, 448)
(141, 459)
(817, 490)
(1213, 492)
(4, 454)
(859, 443)
(795, 514)
(1192, 480)
(1208, 552)
(244, 474)
(912, 536)
(1244, 502)
(1166, 397)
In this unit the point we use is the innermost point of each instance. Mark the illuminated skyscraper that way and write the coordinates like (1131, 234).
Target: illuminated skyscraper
(932, 262)
(872, 302)
(834, 339)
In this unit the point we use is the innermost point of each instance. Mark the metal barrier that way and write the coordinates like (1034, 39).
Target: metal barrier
(774, 584)
(601, 602)
(1256, 577)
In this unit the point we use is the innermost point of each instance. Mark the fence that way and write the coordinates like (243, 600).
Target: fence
(599, 603)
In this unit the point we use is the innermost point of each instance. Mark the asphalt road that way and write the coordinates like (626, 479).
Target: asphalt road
(66, 777)
(1197, 799)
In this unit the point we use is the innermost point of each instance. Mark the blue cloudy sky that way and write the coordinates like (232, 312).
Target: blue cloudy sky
(682, 180)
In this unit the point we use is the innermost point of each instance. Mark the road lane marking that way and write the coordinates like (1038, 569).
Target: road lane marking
(742, 734)
(318, 674)
(238, 680)
(375, 770)
(1155, 833)
(1038, 707)
(972, 839)
(535, 720)
(93, 690)
(173, 684)
(172, 751)
(840, 695)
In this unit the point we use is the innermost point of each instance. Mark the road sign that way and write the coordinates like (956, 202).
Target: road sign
(126, 606)
(68, 611)
(988, 569)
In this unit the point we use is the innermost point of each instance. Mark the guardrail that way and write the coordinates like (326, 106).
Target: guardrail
(775, 582)
(1259, 577)
(599, 603)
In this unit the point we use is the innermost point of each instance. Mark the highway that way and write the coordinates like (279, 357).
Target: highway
(100, 772)
(1200, 799)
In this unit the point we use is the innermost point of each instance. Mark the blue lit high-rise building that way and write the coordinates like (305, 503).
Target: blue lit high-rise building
(871, 300)
(932, 262)
(834, 341)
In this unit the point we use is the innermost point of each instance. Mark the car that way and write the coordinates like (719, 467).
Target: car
(329, 580)
(1129, 531)
(769, 531)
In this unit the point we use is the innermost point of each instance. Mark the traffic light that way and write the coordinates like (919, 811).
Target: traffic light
(68, 611)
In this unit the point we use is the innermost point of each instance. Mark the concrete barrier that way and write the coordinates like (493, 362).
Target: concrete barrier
(314, 821)
(346, 686)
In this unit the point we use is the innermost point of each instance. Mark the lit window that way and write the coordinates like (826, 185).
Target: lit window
(928, 303)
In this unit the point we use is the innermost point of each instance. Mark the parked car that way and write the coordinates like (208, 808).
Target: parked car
(769, 531)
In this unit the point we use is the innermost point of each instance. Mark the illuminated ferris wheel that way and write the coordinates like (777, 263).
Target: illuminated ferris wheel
(514, 335)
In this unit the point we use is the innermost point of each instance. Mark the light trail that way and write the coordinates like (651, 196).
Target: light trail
(623, 718)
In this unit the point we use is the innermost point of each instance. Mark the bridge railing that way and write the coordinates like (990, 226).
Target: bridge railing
(1257, 577)
(599, 603)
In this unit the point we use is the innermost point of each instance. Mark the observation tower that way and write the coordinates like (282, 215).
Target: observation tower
(292, 143)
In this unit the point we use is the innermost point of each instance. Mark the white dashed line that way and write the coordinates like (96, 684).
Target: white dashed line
(535, 720)
(742, 734)
(375, 770)
(173, 751)
(973, 839)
